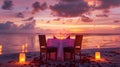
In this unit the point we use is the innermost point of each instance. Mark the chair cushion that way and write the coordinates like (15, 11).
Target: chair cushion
(43, 46)
(77, 47)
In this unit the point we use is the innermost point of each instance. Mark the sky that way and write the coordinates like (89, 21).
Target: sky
(56, 16)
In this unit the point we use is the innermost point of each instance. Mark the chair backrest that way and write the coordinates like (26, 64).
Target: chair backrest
(42, 41)
(78, 42)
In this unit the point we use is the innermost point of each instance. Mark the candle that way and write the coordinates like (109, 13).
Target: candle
(26, 45)
(0, 52)
(22, 57)
(0, 49)
(23, 48)
(97, 56)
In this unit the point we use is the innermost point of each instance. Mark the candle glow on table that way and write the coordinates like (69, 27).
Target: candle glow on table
(0, 49)
(60, 36)
(97, 56)
(22, 57)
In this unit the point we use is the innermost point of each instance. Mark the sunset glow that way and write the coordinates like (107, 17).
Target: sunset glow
(49, 18)
(94, 2)
(34, 32)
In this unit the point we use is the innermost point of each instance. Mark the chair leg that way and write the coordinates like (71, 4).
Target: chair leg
(71, 56)
(46, 57)
(40, 56)
(74, 57)
(49, 55)
(56, 55)
(64, 56)
(80, 56)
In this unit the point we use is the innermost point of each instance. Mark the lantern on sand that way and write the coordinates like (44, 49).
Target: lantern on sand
(97, 56)
(22, 57)
(0, 49)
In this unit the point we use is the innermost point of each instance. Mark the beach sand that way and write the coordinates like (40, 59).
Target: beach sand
(110, 57)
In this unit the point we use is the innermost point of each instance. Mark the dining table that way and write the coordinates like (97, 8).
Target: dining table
(60, 44)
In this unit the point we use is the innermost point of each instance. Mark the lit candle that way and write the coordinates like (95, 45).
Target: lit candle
(0, 49)
(26, 45)
(0, 52)
(97, 56)
(22, 58)
(23, 48)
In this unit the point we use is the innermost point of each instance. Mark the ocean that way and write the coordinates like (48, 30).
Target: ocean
(12, 43)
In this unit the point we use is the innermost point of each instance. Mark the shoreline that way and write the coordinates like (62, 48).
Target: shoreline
(84, 49)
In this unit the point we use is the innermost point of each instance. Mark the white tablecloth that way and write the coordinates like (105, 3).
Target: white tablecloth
(60, 44)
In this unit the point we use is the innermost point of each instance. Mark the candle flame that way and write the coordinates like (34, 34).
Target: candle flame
(23, 48)
(26, 45)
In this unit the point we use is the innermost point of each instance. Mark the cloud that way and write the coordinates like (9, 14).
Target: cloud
(69, 0)
(29, 19)
(11, 26)
(7, 25)
(29, 25)
(86, 19)
(20, 15)
(43, 6)
(116, 21)
(37, 6)
(7, 5)
(70, 9)
(105, 4)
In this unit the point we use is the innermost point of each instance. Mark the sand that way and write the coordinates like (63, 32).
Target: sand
(110, 57)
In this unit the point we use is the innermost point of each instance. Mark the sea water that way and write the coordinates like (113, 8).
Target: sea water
(12, 43)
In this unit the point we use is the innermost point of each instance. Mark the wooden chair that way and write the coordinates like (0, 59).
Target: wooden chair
(43, 46)
(45, 49)
(77, 45)
(67, 50)
(75, 49)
